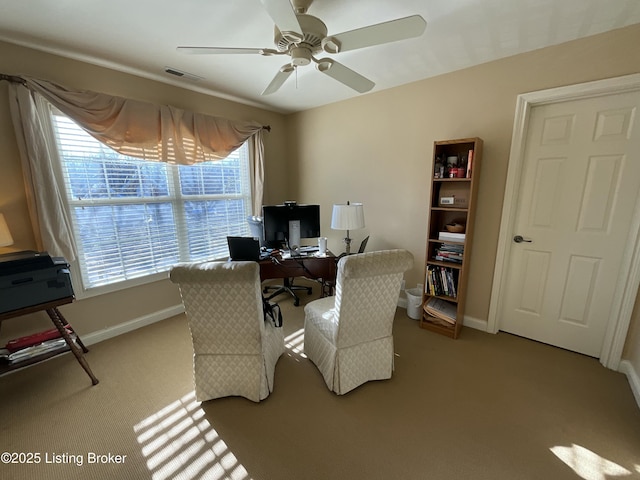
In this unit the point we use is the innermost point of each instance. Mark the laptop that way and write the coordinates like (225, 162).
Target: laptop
(244, 248)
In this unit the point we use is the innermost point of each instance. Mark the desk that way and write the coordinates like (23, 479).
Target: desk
(322, 269)
(77, 347)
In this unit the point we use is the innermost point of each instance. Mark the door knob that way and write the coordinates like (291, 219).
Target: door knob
(520, 239)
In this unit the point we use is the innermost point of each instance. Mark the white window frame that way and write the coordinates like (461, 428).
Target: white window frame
(175, 198)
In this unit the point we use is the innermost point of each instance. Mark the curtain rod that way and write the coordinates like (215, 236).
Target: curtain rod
(12, 78)
(16, 79)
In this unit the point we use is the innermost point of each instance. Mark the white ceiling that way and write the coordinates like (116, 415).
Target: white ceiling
(141, 36)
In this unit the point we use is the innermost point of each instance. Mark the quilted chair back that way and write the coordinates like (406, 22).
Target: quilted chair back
(234, 350)
(367, 291)
(349, 336)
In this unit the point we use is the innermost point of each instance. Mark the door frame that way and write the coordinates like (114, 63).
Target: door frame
(629, 279)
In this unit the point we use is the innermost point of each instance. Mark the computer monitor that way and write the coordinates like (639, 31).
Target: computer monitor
(285, 225)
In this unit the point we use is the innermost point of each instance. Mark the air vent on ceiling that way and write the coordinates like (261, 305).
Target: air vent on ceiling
(180, 73)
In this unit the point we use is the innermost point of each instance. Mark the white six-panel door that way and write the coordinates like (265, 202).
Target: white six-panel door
(578, 190)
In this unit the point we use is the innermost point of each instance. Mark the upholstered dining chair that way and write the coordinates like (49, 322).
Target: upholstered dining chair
(234, 350)
(349, 336)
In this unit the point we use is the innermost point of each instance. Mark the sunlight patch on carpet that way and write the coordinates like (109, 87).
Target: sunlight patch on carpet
(587, 464)
(178, 442)
(295, 343)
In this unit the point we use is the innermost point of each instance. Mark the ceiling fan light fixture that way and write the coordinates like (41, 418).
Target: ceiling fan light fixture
(300, 56)
(330, 45)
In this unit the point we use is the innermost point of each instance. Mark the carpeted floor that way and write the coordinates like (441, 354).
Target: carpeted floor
(480, 407)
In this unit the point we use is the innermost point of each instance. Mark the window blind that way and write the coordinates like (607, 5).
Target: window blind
(133, 217)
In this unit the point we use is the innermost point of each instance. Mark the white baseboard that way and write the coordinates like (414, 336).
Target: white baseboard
(134, 324)
(634, 379)
(475, 323)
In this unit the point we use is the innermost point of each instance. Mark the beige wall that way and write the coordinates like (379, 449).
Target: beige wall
(377, 148)
(98, 313)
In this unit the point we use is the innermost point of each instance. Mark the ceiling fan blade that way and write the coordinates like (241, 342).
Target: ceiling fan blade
(282, 14)
(279, 79)
(345, 75)
(391, 31)
(218, 50)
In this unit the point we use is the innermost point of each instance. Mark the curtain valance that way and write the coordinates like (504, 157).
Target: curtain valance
(144, 130)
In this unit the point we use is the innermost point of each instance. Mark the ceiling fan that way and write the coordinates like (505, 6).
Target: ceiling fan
(302, 37)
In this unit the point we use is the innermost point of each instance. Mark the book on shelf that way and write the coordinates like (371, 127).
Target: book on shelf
(39, 349)
(451, 247)
(452, 237)
(34, 339)
(469, 163)
(440, 258)
(446, 254)
(441, 309)
(441, 281)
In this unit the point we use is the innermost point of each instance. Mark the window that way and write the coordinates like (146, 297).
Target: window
(133, 218)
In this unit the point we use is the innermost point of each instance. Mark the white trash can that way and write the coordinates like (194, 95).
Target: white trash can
(414, 303)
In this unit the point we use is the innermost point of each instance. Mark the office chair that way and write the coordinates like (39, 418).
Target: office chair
(363, 245)
(256, 228)
(286, 287)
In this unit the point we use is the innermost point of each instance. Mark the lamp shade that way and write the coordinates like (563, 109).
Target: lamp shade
(347, 217)
(5, 235)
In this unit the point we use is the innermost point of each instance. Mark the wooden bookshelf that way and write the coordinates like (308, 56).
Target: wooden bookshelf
(453, 201)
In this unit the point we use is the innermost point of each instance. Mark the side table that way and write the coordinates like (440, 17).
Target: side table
(61, 324)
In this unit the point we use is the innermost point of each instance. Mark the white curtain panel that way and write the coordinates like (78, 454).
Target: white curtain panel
(34, 135)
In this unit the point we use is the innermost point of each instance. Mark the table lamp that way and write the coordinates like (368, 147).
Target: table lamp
(5, 235)
(347, 217)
